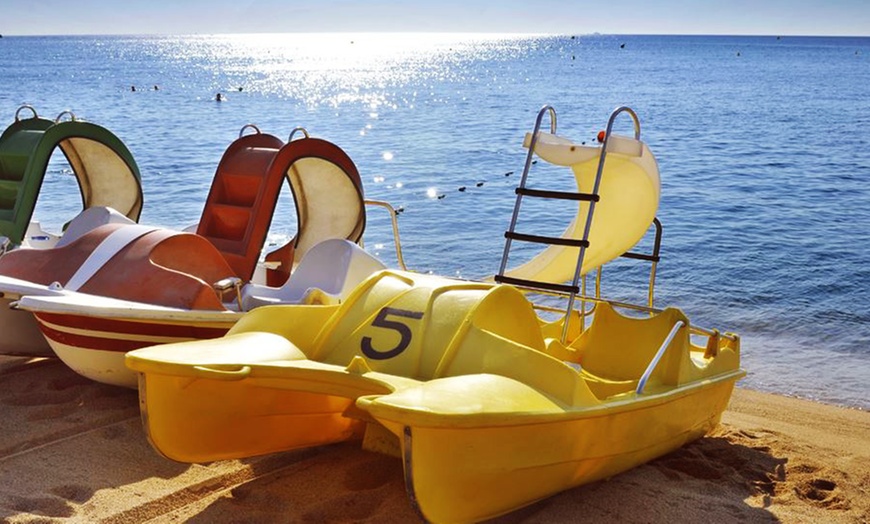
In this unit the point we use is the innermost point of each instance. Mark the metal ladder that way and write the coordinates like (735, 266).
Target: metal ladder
(522, 191)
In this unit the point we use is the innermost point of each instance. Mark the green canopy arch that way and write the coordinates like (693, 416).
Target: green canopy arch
(105, 170)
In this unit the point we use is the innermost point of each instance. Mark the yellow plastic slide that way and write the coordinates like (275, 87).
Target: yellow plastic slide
(629, 197)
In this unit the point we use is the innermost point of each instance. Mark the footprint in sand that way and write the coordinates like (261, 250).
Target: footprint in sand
(50, 412)
(747, 434)
(807, 469)
(73, 493)
(691, 461)
(349, 507)
(368, 476)
(698, 468)
(113, 432)
(742, 435)
(56, 391)
(43, 506)
(820, 492)
(373, 474)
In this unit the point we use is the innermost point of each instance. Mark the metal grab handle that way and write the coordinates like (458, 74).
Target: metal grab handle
(659, 354)
(295, 129)
(62, 113)
(248, 126)
(25, 106)
(240, 372)
(587, 229)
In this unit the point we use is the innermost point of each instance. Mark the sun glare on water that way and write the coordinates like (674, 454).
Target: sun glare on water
(339, 68)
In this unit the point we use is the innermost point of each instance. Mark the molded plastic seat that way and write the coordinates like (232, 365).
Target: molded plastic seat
(328, 272)
(242, 198)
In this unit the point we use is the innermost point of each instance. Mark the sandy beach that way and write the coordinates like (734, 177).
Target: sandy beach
(72, 450)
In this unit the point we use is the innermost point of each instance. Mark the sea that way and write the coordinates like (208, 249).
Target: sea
(763, 146)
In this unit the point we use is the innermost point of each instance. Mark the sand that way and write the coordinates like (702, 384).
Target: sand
(74, 451)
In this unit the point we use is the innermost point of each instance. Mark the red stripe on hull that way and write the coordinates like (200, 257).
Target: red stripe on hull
(134, 327)
(119, 327)
(86, 342)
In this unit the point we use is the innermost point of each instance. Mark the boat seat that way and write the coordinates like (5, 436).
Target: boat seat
(327, 274)
(328, 194)
(605, 388)
(88, 220)
(600, 386)
(243, 194)
(616, 350)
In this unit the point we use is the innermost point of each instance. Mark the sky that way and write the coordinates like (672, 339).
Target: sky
(731, 17)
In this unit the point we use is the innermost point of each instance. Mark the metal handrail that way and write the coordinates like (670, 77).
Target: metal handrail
(587, 228)
(526, 168)
(652, 257)
(393, 214)
(641, 384)
(698, 330)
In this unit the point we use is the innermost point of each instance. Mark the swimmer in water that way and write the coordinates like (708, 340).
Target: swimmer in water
(218, 98)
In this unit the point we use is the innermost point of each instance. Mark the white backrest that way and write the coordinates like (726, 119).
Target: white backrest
(88, 220)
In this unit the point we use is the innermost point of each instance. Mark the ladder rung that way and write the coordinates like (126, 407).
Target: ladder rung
(561, 195)
(564, 288)
(557, 241)
(641, 256)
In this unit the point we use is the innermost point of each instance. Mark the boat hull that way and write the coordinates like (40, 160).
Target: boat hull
(95, 347)
(254, 418)
(468, 474)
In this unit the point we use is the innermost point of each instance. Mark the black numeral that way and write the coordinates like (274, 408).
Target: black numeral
(404, 331)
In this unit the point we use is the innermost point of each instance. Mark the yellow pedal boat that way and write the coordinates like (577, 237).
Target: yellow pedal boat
(490, 403)
(488, 410)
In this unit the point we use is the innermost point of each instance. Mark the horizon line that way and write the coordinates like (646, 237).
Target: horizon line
(483, 33)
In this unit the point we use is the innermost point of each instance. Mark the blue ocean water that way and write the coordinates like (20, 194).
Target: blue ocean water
(762, 144)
